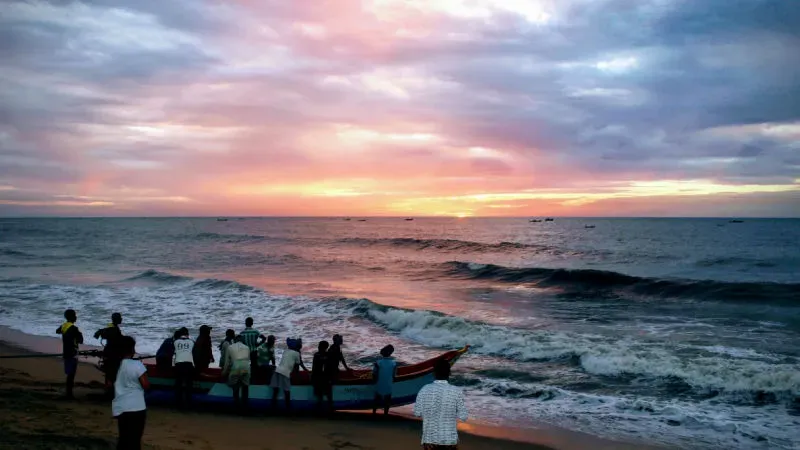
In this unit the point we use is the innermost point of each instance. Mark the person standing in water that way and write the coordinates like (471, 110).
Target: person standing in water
(441, 406)
(71, 338)
(252, 338)
(111, 353)
(281, 380)
(128, 407)
(184, 367)
(383, 372)
(201, 352)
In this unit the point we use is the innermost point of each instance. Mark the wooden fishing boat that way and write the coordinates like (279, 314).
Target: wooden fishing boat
(353, 391)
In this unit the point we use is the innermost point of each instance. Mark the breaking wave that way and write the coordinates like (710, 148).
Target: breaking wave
(593, 280)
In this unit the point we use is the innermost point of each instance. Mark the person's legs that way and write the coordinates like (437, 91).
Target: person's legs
(375, 403)
(70, 368)
(123, 426)
(288, 397)
(275, 392)
(178, 386)
(245, 395)
(236, 388)
(138, 420)
(387, 403)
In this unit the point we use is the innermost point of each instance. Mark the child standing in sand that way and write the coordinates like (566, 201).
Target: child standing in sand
(129, 407)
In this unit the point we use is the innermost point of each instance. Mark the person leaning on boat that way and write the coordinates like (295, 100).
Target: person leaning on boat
(236, 368)
(201, 352)
(383, 373)
(266, 358)
(441, 406)
(281, 379)
(184, 367)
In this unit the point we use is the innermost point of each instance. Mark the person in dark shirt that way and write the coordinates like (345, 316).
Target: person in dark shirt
(319, 379)
(71, 338)
(332, 361)
(112, 356)
(201, 352)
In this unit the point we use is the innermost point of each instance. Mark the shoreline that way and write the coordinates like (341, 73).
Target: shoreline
(47, 371)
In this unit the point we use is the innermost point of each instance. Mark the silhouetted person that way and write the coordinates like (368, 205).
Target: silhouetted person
(201, 352)
(252, 338)
(71, 338)
(319, 378)
(112, 355)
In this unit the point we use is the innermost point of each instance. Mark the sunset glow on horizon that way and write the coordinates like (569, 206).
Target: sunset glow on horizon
(455, 108)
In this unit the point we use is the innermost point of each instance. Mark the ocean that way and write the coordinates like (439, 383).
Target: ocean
(681, 332)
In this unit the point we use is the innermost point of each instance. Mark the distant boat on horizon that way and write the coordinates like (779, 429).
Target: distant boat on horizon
(549, 219)
(588, 226)
(222, 219)
(410, 219)
(362, 220)
(346, 219)
(737, 221)
(535, 220)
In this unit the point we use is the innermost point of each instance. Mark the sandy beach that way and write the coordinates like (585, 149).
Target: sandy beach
(35, 417)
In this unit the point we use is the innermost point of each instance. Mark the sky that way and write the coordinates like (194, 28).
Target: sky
(400, 108)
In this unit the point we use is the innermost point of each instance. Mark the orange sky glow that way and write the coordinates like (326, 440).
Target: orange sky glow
(389, 108)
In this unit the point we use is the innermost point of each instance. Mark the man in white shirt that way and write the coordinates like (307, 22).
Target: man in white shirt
(441, 406)
(281, 379)
(184, 367)
(236, 366)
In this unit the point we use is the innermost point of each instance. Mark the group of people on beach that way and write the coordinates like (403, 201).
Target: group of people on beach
(242, 356)
(250, 354)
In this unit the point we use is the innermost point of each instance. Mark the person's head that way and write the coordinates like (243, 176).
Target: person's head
(248, 322)
(323, 346)
(270, 341)
(441, 370)
(176, 334)
(116, 318)
(127, 345)
(387, 351)
(239, 338)
(230, 335)
(205, 330)
(183, 331)
(337, 339)
(70, 315)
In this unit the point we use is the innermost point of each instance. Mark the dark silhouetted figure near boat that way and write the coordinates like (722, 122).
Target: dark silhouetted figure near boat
(252, 338)
(128, 407)
(184, 368)
(201, 352)
(281, 380)
(323, 388)
(266, 358)
(166, 352)
(230, 337)
(383, 372)
(71, 338)
(112, 356)
(441, 406)
(237, 370)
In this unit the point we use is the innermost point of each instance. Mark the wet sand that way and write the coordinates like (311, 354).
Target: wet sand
(36, 417)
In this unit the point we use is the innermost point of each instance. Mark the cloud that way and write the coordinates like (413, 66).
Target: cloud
(350, 106)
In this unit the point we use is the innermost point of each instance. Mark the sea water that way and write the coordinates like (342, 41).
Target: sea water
(683, 332)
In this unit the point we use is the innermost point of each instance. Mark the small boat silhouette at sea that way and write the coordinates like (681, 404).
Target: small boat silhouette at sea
(222, 219)
(346, 219)
(588, 226)
(362, 220)
(409, 219)
(535, 220)
(737, 221)
(549, 219)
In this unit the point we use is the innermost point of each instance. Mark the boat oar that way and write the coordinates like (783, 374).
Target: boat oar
(35, 355)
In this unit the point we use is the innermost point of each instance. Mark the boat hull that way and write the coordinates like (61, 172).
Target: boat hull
(353, 391)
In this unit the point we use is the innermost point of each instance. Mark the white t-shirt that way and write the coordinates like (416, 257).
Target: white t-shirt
(129, 394)
(183, 350)
(289, 359)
